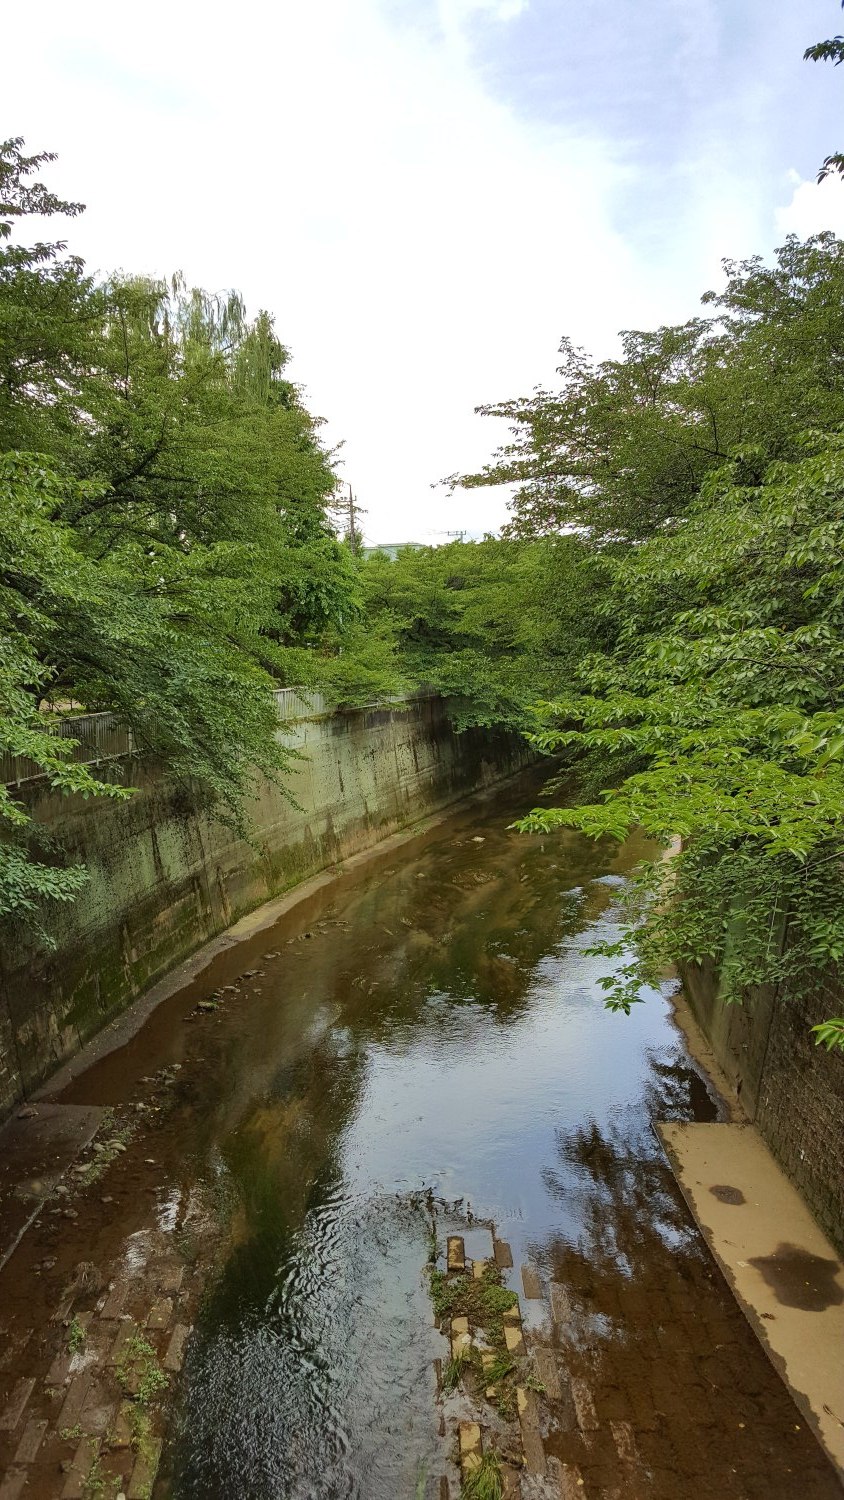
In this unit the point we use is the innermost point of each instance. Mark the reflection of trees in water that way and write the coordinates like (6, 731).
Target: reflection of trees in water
(472, 923)
(631, 1217)
(654, 1330)
(279, 1165)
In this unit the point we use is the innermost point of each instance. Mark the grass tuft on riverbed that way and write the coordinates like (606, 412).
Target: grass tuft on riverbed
(484, 1483)
(483, 1300)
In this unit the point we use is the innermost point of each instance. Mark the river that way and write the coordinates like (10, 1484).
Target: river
(425, 1037)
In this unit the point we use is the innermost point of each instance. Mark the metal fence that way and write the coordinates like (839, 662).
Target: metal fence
(104, 737)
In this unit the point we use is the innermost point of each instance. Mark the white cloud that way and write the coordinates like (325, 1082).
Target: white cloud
(421, 246)
(814, 206)
(454, 12)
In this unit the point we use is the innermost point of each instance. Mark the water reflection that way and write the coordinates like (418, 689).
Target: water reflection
(432, 1028)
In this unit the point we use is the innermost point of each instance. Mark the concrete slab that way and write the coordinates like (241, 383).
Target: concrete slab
(37, 1146)
(785, 1274)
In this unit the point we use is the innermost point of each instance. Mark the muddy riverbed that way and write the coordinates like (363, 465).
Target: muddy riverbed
(425, 1035)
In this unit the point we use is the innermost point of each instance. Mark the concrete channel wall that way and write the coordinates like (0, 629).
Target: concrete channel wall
(165, 878)
(792, 1090)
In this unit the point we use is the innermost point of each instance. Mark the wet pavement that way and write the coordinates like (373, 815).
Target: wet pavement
(424, 1033)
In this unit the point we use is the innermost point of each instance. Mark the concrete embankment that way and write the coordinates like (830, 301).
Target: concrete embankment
(791, 1090)
(165, 878)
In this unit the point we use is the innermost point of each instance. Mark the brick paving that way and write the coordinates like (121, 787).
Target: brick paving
(673, 1397)
(69, 1428)
(649, 1387)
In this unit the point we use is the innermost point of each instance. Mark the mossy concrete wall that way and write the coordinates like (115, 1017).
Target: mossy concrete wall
(792, 1090)
(165, 878)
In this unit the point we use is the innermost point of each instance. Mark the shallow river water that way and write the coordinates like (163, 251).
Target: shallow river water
(427, 1032)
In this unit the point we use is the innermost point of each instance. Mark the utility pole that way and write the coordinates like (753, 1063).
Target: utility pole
(353, 536)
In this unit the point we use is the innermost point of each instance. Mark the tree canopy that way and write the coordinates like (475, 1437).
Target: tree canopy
(832, 51)
(663, 611)
(165, 542)
(702, 473)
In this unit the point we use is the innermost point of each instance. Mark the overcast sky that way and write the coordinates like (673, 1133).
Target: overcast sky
(428, 193)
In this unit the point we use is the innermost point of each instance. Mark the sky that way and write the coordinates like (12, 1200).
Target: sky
(428, 194)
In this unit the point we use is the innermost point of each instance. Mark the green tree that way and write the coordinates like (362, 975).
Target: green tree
(727, 685)
(49, 309)
(829, 51)
(702, 475)
(165, 551)
(621, 450)
(165, 639)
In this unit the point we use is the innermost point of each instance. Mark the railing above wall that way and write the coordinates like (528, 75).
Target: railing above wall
(104, 737)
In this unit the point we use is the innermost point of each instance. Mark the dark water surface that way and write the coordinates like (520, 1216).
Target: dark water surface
(429, 1029)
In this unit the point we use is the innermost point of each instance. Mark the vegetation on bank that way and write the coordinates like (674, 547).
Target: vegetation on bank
(165, 545)
(664, 609)
(705, 473)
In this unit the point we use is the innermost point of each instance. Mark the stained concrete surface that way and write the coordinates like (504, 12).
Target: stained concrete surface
(36, 1148)
(784, 1272)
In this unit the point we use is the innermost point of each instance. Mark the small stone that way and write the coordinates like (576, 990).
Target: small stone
(121, 1434)
(572, 1483)
(160, 1313)
(174, 1358)
(587, 1418)
(12, 1484)
(471, 1446)
(624, 1441)
(59, 1369)
(478, 1269)
(74, 1400)
(460, 1336)
(456, 1254)
(13, 1410)
(170, 1278)
(503, 1255)
(531, 1283)
(513, 1339)
(561, 1308)
(79, 1470)
(125, 1333)
(33, 1435)
(531, 1434)
(546, 1369)
(145, 1470)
